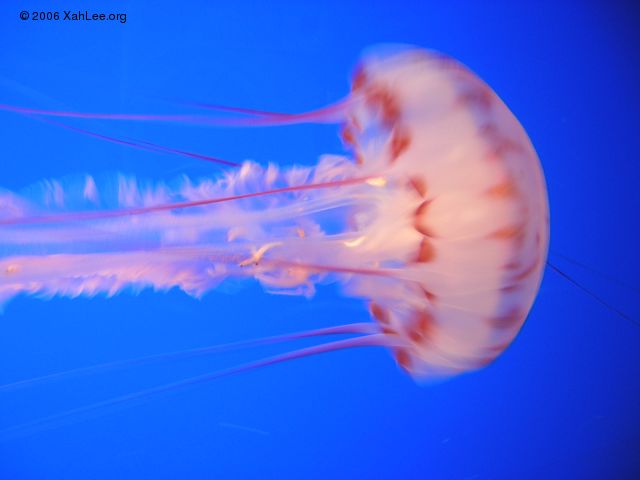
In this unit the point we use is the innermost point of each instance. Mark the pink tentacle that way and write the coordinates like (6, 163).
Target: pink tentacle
(331, 114)
(332, 111)
(382, 340)
(142, 145)
(354, 328)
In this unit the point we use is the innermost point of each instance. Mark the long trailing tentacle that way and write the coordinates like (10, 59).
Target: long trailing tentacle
(332, 114)
(354, 328)
(331, 109)
(324, 114)
(52, 421)
(140, 144)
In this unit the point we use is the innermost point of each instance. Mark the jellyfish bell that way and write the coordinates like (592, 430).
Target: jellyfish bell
(464, 210)
(438, 219)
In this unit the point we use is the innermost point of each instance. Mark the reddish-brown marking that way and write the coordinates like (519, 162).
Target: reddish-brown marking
(426, 252)
(432, 297)
(526, 272)
(507, 233)
(506, 145)
(477, 96)
(419, 219)
(422, 326)
(422, 208)
(510, 288)
(346, 134)
(419, 185)
(399, 144)
(513, 265)
(519, 240)
(390, 110)
(510, 319)
(504, 189)
(379, 313)
(403, 358)
(380, 98)
(500, 145)
(359, 79)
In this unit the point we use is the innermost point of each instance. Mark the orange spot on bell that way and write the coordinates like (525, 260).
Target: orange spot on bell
(426, 252)
(420, 220)
(507, 233)
(379, 313)
(422, 326)
(403, 358)
(347, 135)
(422, 209)
(419, 185)
(399, 144)
(526, 272)
(359, 79)
(478, 96)
(502, 146)
(380, 98)
(390, 110)
(509, 319)
(432, 297)
(504, 189)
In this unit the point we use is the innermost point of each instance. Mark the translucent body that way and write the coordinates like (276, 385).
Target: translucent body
(470, 218)
(439, 220)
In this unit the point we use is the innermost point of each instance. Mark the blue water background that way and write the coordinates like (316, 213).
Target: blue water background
(561, 403)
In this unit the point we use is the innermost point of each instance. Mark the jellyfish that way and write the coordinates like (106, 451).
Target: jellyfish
(436, 217)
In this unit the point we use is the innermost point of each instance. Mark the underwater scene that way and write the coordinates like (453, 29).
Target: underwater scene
(272, 240)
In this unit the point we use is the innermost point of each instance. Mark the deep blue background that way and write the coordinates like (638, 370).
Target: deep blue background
(562, 402)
